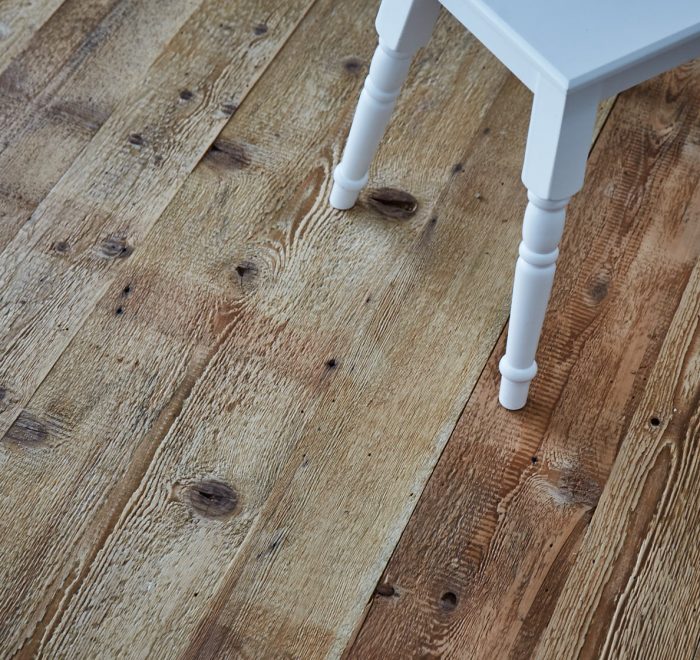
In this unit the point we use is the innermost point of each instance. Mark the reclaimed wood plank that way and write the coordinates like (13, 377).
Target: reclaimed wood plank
(65, 84)
(104, 205)
(278, 346)
(19, 20)
(634, 589)
(91, 430)
(483, 559)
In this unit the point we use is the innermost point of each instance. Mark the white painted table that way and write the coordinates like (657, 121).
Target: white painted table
(571, 54)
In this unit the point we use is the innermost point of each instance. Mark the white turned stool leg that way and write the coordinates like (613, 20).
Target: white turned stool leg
(403, 26)
(377, 100)
(534, 275)
(555, 162)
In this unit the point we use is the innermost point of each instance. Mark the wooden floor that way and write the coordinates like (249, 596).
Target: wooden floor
(235, 422)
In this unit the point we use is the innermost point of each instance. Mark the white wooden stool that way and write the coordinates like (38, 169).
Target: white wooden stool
(571, 54)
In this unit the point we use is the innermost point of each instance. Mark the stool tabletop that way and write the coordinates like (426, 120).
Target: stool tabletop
(579, 42)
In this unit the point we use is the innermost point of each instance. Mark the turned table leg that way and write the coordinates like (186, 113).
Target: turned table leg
(558, 141)
(403, 27)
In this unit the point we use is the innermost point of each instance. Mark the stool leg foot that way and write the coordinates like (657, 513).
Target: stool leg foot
(512, 395)
(342, 198)
(403, 27)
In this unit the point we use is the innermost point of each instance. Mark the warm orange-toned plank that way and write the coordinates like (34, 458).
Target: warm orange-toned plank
(479, 567)
(635, 587)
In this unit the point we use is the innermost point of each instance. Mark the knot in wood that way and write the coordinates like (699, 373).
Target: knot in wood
(27, 430)
(448, 601)
(352, 65)
(228, 154)
(212, 499)
(393, 203)
(115, 247)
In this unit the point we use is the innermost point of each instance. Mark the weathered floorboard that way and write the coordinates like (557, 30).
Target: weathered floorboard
(82, 449)
(19, 20)
(65, 84)
(635, 587)
(224, 456)
(480, 565)
(105, 204)
(289, 336)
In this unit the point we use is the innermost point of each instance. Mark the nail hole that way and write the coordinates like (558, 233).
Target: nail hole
(655, 421)
(448, 601)
(385, 590)
(186, 94)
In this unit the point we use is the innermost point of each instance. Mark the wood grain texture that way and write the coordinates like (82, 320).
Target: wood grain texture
(43, 567)
(287, 340)
(107, 201)
(635, 587)
(65, 85)
(228, 438)
(19, 20)
(482, 561)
